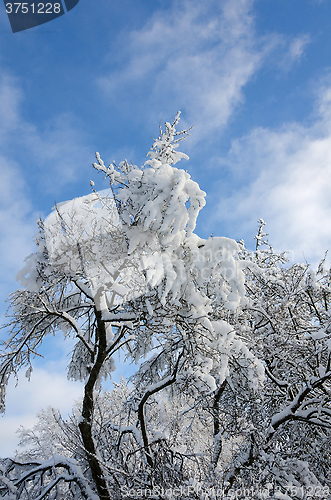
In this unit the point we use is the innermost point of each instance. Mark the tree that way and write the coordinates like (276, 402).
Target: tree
(232, 347)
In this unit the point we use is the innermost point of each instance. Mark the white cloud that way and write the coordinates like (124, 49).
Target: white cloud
(15, 219)
(46, 388)
(285, 176)
(17, 225)
(10, 100)
(196, 57)
(294, 50)
(297, 46)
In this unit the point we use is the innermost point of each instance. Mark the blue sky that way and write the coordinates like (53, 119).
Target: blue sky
(253, 77)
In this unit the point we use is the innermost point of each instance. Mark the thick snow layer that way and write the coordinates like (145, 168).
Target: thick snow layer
(86, 235)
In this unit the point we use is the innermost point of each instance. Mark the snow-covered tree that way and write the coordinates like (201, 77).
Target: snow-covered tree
(232, 349)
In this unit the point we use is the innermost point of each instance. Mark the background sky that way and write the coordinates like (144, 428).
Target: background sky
(253, 77)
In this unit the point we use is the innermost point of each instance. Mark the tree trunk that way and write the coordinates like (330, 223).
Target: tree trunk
(85, 426)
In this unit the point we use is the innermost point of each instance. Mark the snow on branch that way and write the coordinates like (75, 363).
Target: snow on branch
(164, 148)
(38, 480)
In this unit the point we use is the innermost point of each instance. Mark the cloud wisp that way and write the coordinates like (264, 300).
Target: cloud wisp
(196, 56)
(285, 177)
